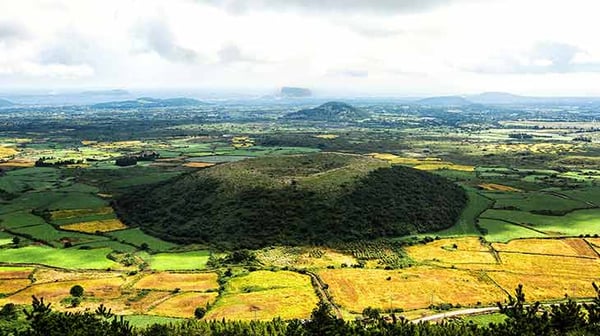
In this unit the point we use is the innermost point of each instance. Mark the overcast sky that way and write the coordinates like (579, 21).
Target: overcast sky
(366, 47)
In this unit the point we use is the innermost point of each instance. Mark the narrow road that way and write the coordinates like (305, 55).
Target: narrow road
(318, 285)
(470, 311)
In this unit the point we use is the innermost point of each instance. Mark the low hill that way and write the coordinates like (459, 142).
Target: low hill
(445, 101)
(331, 111)
(304, 199)
(147, 102)
(5, 103)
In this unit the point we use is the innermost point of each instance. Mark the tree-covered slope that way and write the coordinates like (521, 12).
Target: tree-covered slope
(305, 199)
(331, 111)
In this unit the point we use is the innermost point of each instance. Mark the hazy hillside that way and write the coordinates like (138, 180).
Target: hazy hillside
(444, 101)
(147, 102)
(331, 111)
(5, 103)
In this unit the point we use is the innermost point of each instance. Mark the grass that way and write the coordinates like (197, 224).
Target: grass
(466, 223)
(565, 247)
(49, 234)
(194, 260)
(74, 259)
(539, 201)
(501, 231)
(8, 286)
(137, 237)
(578, 222)
(199, 282)
(142, 321)
(485, 319)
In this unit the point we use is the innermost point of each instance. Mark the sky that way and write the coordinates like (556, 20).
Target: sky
(355, 47)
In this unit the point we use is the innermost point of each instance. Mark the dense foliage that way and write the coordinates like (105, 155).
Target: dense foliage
(331, 111)
(261, 204)
(567, 318)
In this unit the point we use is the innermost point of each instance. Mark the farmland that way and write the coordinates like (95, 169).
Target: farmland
(157, 239)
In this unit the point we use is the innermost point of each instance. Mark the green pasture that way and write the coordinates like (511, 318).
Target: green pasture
(179, 261)
(137, 237)
(73, 259)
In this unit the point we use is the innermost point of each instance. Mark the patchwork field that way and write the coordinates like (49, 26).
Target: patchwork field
(199, 282)
(95, 226)
(183, 305)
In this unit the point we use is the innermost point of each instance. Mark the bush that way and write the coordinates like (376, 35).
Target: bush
(76, 291)
(199, 312)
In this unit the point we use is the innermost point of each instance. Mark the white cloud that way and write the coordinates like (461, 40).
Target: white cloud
(383, 47)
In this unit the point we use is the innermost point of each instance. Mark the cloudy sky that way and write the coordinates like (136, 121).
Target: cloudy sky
(367, 47)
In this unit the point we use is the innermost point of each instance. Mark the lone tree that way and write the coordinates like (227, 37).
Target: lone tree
(199, 312)
(76, 291)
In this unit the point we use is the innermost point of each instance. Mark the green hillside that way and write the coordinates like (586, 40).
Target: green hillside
(303, 199)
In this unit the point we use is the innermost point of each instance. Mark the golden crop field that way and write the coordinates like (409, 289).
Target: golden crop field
(498, 187)
(543, 147)
(444, 165)
(183, 305)
(395, 158)
(184, 281)
(265, 295)
(7, 152)
(545, 287)
(326, 136)
(53, 292)
(10, 272)
(566, 247)
(413, 288)
(17, 164)
(286, 303)
(93, 226)
(552, 266)
(467, 250)
(64, 214)
(44, 275)
(430, 163)
(8, 286)
(198, 164)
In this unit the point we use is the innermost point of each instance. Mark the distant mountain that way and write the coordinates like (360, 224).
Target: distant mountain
(113, 92)
(294, 92)
(444, 101)
(501, 98)
(5, 103)
(147, 102)
(331, 111)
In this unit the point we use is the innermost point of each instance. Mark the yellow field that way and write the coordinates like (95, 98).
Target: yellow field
(544, 287)
(8, 286)
(17, 164)
(326, 136)
(498, 187)
(265, 295)
(543, 147)
(64, 214)
(552, 266)
(43, 275)
(444, 165)
(198, 164)
(566, 247)
(184, 281)
(93, 226)
(53, 292)
(7, 152)
(15, 272)
(417, 287)
(183, 305)
(431, 163)
(287, 303)
(468, 250)
(88, 142)
(395, 159)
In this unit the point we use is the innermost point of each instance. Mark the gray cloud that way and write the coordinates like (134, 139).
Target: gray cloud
(12, 32)
(544, 57)
(379, 6)
(231, 53)
(70, 50)
(155, 36)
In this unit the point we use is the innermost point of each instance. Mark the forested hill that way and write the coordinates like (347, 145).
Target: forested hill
(306, 199)
(331, 111)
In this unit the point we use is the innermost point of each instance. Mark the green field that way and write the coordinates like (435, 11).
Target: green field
(137, 237)
(180, 261)
(142, 321)
(73, 259)
(501, 231)
(466, 223)
(572, 224)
